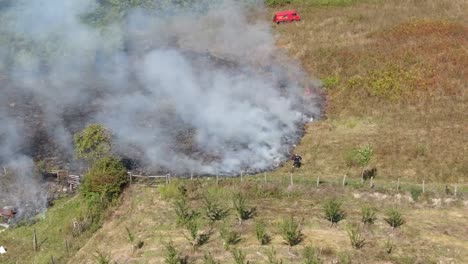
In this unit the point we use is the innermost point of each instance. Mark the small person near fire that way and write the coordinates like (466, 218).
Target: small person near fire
(297, 160)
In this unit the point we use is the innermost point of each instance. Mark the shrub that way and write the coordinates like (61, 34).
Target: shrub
(333, 211)
(239, 257)
(331, 82)
(394, 218)
(389, 246)
(173, 256)
(310, 255)
(106, 178)
(102, 258)
(213, 210)
(229, 236)
(290, 231)
(271, 257)
(240, 206)
(355, 237)
(183, 212)
(136, 244)
(93, 143)
(261, 233)
(415, 193)
(368, 215)
(197, 237)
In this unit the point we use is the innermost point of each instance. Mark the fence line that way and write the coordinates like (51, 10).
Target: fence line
(293, 179)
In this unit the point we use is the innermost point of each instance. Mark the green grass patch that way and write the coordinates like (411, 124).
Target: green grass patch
(55, 236)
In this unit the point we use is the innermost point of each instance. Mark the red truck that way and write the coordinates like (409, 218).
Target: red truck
(286, 16)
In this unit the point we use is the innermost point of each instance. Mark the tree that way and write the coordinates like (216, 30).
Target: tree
(93, 143)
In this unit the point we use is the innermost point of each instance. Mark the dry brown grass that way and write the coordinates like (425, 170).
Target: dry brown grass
(396, 73)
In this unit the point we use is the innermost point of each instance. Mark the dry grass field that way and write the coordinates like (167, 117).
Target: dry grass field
(434, 231)
(396, 73)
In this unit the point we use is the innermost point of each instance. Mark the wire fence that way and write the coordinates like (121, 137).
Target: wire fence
(294, 179)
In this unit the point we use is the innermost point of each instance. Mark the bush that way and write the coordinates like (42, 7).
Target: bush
(394, 218)
(173, 256)
(415, 193)
(106, 178)
(243, 213)
(310, 255)
(333, 211)
(183, 212)
(197, 237)
(102, 258)
(239, 257)
(261, 233)
(368, 215)
(229, 236)
(136, 244)
(213, 210)
(290, 231)
(355, 237)
(271, 257)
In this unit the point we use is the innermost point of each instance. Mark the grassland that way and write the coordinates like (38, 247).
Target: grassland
(433, 231)
(396, 76)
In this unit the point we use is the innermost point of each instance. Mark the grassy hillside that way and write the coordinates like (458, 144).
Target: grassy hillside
(396, 76)
(396, 73)
(434, 230)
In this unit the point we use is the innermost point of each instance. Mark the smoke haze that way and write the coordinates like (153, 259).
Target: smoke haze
(195, 89)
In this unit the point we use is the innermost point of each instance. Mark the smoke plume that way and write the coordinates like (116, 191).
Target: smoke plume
(184, 88)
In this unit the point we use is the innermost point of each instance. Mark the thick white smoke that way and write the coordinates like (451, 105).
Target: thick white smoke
(195, 89)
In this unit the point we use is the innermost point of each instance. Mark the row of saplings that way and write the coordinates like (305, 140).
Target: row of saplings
(288, 228)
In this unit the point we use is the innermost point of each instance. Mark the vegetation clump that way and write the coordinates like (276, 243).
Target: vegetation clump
(394, 218)
(93, 143)
(291, 231)
(213, 209)
(368, 215)
(333, 211)
(230, 237)
(310, 256)
(240, 206)
(106, 179)
(355, 236)
(261, 233)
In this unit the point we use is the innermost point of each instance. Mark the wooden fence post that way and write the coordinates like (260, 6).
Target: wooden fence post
(372, 182)
(34, 240)
(423, 186)
(241, 176)
(130, 176)
(344, 180)
(264, 177)
(191, 176)
(67, 247)
(318, 181)
(398, 185)
(455, 190)
(217, 177)
(291, 182)
(167, 179)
